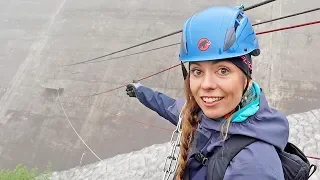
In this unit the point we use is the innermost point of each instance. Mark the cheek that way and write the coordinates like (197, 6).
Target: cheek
(237, 92)
(234, 90)
(194, 87)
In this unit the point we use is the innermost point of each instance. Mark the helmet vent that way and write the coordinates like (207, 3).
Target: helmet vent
(236, 26)
(230, 38)
(237, 23)
(239, 17)
(184, 43)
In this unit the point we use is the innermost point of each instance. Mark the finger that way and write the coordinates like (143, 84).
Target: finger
(130, 86)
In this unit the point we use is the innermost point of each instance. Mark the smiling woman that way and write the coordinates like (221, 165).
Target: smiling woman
(228, 129)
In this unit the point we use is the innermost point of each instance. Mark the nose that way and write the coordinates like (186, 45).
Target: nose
(209, 82)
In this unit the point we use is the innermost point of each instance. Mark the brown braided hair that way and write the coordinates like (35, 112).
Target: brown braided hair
(189, 126)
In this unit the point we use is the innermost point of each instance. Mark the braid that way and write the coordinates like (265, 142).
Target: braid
(189, 126)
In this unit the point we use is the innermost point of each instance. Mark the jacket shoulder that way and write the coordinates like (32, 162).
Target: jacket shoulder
(259, 159)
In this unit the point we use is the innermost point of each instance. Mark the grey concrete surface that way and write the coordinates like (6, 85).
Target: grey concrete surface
(148, 163)
(37, 37)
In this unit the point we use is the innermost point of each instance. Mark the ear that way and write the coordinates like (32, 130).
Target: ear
(250, 83)
(247, 80)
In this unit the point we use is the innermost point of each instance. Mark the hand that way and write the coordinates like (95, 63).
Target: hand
(131, 89)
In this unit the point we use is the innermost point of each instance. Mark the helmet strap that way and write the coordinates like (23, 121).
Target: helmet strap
(239, 106)
(184, 71)
(246, 88)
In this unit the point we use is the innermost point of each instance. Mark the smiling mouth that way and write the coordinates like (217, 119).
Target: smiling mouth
(211, 100)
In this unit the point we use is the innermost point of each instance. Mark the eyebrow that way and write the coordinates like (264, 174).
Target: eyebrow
(196, 63)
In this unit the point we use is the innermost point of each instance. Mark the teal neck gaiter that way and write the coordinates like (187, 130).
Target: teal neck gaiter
(250, 104)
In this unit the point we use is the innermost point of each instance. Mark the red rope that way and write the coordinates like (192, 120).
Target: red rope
(263, 32)
(290, 27)
(160, 72)
(316, 158)
(95, 94)
(138, 80)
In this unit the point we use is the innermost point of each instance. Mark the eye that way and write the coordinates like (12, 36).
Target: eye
(196, 72)
(223, 71)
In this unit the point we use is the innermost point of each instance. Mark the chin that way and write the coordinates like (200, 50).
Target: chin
(213, 114)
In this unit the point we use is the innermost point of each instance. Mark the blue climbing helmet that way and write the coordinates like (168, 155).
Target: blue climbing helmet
(218, 33)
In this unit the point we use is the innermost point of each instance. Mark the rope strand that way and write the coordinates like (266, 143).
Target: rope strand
(167, 35)
(161, 47)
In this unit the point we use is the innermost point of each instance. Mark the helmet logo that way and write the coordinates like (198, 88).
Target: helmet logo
(203, 44)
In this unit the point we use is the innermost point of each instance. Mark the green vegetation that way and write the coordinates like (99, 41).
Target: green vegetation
(21, 172)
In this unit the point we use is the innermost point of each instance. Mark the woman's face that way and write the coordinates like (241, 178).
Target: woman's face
(217, 86)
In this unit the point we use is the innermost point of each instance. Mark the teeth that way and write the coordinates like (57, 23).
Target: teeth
(210, 100)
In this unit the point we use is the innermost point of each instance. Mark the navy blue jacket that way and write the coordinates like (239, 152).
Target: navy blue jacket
(258, 161)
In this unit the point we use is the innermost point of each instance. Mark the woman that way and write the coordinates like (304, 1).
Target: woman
(222, 100)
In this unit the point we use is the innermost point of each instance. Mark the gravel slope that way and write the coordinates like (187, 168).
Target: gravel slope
(147, 163)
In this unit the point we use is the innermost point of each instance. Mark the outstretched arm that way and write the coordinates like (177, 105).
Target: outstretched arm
(162, 104)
